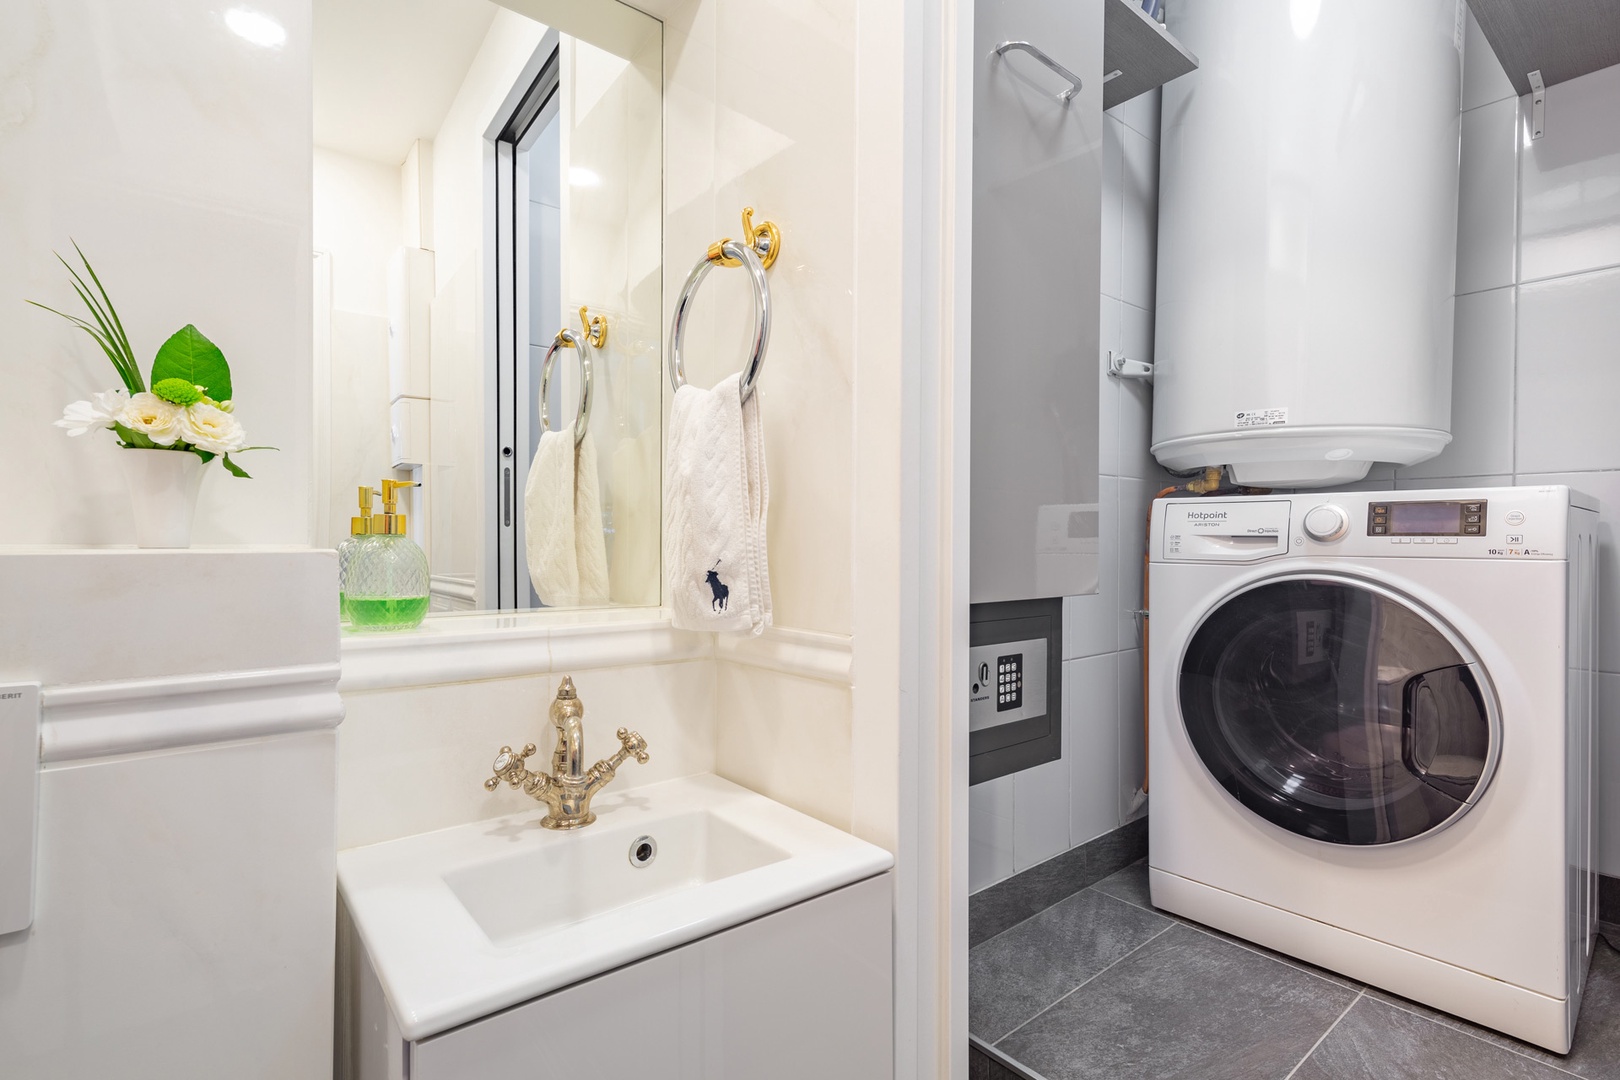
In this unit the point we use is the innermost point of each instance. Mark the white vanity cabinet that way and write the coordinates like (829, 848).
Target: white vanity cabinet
(800, 994)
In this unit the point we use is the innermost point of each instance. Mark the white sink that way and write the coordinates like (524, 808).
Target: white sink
(466, 921)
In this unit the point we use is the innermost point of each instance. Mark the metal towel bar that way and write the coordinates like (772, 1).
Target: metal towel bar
(1053, 65)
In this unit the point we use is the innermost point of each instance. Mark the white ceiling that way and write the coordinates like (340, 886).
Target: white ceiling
(387, 70)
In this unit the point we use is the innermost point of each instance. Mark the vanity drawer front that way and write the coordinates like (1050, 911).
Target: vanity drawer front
(800, 994)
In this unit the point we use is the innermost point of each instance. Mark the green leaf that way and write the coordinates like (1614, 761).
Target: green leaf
(132, 438)
(189, 355)
(206, 455)
(233, 468)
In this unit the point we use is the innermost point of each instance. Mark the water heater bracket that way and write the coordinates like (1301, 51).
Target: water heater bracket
(1538, 103)
(1121, 368)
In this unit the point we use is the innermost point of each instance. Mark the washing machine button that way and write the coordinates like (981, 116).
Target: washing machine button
(1328, 522)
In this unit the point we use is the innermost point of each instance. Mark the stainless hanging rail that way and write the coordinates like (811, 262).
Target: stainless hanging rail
(756, 252)
(1051, 64)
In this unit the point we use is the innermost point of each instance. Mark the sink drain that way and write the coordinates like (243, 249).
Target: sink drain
(643, 850)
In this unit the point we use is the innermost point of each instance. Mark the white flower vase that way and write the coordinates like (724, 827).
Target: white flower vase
(163, 486)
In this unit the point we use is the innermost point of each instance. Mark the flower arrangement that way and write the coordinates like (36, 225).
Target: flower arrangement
(188, 407)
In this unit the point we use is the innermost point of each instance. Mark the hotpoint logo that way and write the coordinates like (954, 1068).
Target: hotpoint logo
(1206, 515)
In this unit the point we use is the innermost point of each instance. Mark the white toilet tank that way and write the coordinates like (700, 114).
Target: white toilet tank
(1308, 238)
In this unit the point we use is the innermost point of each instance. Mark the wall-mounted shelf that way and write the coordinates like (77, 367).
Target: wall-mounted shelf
(1562, 39)
(1138, 53)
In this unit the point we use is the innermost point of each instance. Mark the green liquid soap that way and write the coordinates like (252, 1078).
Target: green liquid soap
(385, 612)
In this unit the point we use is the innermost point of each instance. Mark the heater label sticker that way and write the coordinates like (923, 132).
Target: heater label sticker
(1261, 418)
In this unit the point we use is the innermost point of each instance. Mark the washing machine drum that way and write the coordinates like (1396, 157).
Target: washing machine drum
(1335, 710)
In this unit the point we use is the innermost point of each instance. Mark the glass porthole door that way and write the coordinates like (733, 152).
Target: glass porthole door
(1336, 711)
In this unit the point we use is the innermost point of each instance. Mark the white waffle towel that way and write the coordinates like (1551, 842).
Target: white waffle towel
(562, 523)
(716, 496)
(548, 521)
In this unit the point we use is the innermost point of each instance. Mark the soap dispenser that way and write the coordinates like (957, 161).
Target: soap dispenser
(385, 586)
(359, 529)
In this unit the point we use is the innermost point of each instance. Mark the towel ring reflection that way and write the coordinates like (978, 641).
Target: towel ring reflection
(568, 339)
(755, 254)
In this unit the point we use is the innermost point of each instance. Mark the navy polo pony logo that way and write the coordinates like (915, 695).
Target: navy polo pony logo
(722, 593)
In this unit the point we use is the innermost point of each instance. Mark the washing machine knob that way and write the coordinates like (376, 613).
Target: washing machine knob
(1326, 522)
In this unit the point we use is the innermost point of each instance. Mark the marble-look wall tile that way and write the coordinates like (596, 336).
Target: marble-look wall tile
(788, 738)
(415, 760)
(178, 154)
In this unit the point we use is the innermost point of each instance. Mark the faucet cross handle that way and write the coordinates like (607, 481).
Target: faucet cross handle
(634, 744)
(510, 766)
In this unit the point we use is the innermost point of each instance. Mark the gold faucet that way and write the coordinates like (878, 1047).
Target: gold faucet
(568, 790)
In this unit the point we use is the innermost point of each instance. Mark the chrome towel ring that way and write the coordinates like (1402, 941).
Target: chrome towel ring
(568, 338)
(755, 254)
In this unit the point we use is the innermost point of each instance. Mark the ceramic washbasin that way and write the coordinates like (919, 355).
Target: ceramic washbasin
(466, 921)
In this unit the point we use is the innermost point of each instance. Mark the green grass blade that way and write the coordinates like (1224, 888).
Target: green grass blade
(106, 323)
(133, 385)
(122, 337)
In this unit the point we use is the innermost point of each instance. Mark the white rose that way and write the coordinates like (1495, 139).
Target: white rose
(153, 417)
(211, 429)
(102, 411)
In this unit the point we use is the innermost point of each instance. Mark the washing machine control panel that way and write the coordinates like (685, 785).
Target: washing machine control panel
(1428, 517)
(1455, 523)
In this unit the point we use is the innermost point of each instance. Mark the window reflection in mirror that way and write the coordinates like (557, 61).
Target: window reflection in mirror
(482, 172)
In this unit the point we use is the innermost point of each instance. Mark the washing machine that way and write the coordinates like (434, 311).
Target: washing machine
(1372, 738)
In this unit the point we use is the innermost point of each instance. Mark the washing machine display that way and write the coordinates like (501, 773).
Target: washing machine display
(1337, 711)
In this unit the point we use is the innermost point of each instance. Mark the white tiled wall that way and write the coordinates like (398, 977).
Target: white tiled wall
(1020, 820)
(1537, 363)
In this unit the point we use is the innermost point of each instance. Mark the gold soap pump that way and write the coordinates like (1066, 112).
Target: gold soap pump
(358, 527)
(385, 578)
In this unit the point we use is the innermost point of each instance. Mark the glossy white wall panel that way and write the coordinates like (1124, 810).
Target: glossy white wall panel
(1041, 809)
(1605, 488)
(1135, 496)
(990, 832)
(178, 155)
(1135, 396)
(415, 760)
(184, 918)
(357, 218)
(1091, 749)
(1112, 234)
(1487, 197)
(1109, 392)
(1140, 232)
(1090, 622)
(1608, 769)
(1484, 81)
(1567, 382)
(68, 612)
(1132, 747)
(1569, 216)
(1036, 173)
(1404, 482)
(788, 738)
(1140, 114)
(1278, 235)
(1482, 391)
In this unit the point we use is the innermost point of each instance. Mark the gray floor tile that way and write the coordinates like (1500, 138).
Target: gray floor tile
(1376, 1041)
(1131, 886)
(1596, 1053)
(1186, 1006)
(1018, 973)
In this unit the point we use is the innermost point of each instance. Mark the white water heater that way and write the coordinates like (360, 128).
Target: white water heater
(1308, 238)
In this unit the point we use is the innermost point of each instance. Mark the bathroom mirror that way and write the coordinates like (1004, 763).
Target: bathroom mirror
(482, 172)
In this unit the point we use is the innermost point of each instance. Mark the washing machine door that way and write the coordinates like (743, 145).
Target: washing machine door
(1335, 709)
